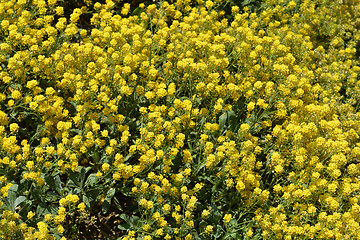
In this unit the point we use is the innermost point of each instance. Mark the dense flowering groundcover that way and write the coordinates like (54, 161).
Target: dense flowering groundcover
(179, 120)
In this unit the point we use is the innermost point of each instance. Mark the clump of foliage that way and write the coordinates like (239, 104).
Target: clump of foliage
(179, 120)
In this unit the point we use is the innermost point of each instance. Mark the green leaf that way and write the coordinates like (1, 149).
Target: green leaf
(137, 11)
(19, 200)
(105, 206)
(52, 196)
(203, 224)
(95, 157)
(218, 232)
(222, 121)
(14, 188)
(73, 179)
(11, 198)
(54, 182)
(231, 113)
(40, 209)
(52, 209)
(246, 2)
(86, 201)
(107, 201)
(91, 180)
(124, 227)
(83, 172)
(235, 236)
(25, 208)
(110, 193)
(93, 195)
(77, 131)
(127, 157)
(125, 217)
(134, 219)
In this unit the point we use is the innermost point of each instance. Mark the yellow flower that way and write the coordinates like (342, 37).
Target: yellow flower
(30, 215)
(60, 229)
(209, 4)
(312, 209)
(48, 217)
(12, 164)
(278, 169)
(105, 167)
(286, 195)
(16, 95)
(30, 165)
(11, 103)
(167, 208)
(82, 206)
(249, 233)
(240, 186)
(59, 11)
(188, 237)
(104, 133)
(227, 218)
(159, 232)
(62, 202)
(14, 127)
(209, 229)
(277, 188)
(72, 198)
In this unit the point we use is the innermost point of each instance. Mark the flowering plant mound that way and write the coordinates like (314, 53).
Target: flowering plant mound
(178, 120)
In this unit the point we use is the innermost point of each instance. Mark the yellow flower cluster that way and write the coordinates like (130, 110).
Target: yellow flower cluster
(210, 120)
